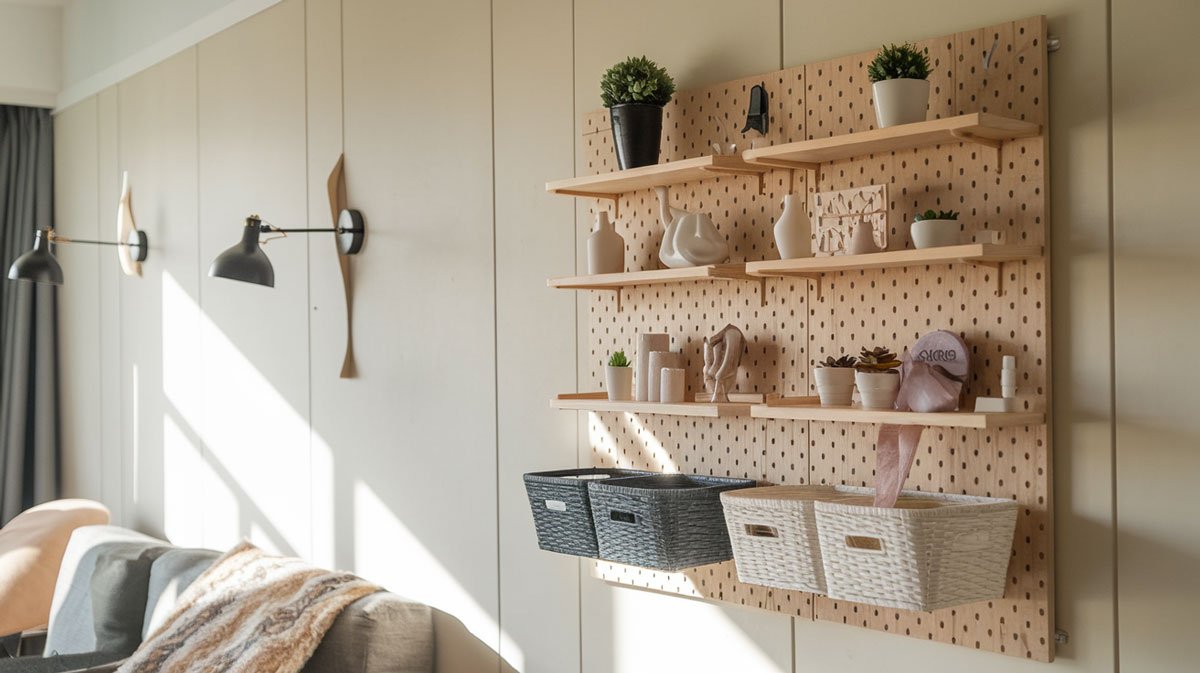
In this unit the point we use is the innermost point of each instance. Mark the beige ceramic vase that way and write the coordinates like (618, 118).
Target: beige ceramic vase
(605, 248)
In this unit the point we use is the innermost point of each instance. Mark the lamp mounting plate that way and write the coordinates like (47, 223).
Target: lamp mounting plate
(138, 245)
(353, 230)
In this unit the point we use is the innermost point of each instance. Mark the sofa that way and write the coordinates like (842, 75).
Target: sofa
(115, 586)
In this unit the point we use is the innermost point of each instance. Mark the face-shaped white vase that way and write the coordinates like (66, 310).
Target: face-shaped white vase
(689, 239)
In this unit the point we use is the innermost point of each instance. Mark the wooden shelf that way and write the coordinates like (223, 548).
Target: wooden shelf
(986, 254)
(599, 402)
(810, 409)
(982, 128)
(617, 281)
(612, 185)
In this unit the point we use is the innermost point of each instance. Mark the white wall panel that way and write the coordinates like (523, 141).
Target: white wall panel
(160, 326)
(79, 300)
(255, 382)
(413, 439)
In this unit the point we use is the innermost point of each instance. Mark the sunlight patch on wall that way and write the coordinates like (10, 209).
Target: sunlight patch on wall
(387, 552)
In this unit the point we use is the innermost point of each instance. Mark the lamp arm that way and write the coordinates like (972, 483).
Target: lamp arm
(59, 238)
(267, 228)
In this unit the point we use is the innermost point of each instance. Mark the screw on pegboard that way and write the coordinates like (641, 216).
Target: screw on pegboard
(1061, 637)
(1053, 43)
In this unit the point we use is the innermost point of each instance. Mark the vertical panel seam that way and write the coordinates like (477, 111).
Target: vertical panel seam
(575, 322)
(495, 330)
(308, 307)
(1112, 345)
(199, 276)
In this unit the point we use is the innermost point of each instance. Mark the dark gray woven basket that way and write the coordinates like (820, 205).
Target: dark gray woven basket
(562, 514)
(663, 521)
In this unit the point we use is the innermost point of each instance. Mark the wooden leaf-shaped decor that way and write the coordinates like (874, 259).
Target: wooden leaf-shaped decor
(337, 202)
(125, 230)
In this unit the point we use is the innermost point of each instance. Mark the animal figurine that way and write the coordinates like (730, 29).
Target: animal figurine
(689, 239)
(722, 356)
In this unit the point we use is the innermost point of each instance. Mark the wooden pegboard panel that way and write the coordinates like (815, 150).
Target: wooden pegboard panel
(795, 325)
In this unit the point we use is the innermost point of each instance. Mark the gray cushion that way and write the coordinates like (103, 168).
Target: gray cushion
(69, 662)
(381, 633)
(71, 629)
(171, 574)
(119, 585)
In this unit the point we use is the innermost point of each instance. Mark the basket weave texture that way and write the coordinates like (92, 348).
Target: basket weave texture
(773, 531)
(562, 513)
(666, 522)
(916, 558)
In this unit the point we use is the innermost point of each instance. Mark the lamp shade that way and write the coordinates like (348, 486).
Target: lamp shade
(245, 261)
(38, 265)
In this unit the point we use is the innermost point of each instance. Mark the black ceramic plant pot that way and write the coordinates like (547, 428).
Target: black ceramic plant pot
(637, 133)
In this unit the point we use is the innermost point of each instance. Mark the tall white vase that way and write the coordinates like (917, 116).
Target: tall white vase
(647, 344)
(793, 230)
(605, 247)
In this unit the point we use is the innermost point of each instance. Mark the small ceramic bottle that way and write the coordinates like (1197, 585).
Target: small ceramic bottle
(862, 239)
(793, 230)
(605, 247)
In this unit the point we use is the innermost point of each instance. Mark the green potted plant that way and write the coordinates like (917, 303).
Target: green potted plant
(835, 380)
(635, 91)
(877, 379)
(898, 81)
(618, 378)
(935, 228)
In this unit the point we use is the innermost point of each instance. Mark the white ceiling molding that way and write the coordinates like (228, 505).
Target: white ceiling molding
(226, 16)
(11, 95)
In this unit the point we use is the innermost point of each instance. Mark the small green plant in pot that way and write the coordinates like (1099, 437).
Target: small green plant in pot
(635, 91)
(618, 378)
(935, 228)
(835, 380)
(877, 378)
(899, 83)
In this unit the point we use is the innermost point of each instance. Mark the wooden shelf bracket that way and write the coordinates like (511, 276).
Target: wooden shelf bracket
(995, 145)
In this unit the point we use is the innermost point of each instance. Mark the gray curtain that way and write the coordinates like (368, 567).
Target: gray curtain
(29, 445)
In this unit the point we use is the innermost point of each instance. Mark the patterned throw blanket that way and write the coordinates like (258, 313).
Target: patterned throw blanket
(249, 613)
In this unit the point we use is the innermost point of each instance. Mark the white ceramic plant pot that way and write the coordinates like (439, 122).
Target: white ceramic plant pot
(619, 382)
(835, 385)
(877, 389)
(936, 233)
(900, 101)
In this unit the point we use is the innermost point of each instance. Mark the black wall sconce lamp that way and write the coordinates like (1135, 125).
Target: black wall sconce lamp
(247, 262)
(40, 266)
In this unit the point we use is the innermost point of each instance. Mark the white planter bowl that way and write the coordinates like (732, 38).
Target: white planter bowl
(936, 233)
(619, 383)
(900, 101)
(877, 389)
(835, 385)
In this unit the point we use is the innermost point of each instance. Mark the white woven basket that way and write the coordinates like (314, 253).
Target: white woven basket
(773, 530)
(931, 551)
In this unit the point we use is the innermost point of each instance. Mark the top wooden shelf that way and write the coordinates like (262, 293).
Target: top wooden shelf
(612, 185)
(971, 253)
(980, 127)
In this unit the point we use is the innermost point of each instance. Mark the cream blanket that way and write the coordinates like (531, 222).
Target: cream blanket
(248, 613)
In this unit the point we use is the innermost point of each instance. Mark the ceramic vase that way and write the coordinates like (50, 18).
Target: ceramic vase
(647, 344)
(793, 230)
(660, 360)
(900, 101)
(605, 248)
(672, 388)
(619, 383)
(936, 233)
(835, 385)
(877, 390)
(862, 239)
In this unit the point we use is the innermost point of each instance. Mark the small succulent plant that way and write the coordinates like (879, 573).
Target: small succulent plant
(877, 360)
(637, 79)
(937, 215)
(899, 62)
(618, 359)
(844, 362)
